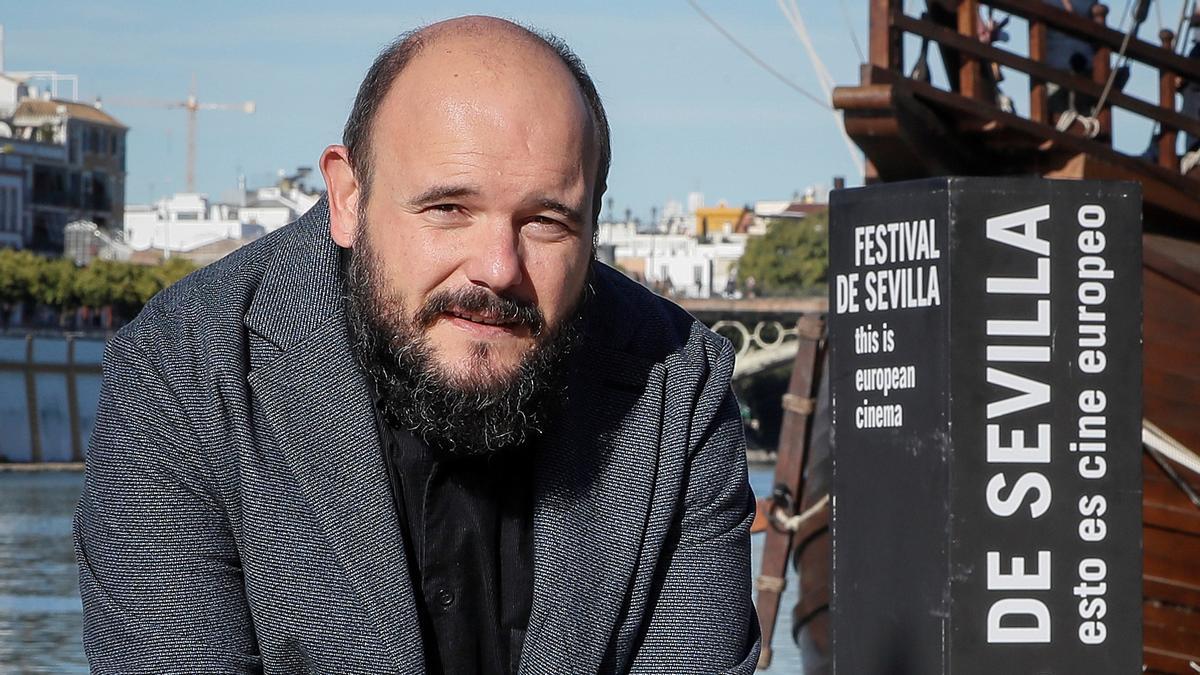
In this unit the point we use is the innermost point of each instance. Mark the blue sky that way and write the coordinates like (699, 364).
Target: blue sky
(688, 111)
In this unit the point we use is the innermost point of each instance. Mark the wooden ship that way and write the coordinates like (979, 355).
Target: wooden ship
(909, 128)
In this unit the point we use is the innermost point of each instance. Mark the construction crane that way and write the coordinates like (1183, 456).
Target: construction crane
(192, 105)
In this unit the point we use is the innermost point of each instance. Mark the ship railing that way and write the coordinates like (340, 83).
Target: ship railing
(889, 24)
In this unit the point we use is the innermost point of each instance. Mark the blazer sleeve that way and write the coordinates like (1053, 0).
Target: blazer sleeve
(159, 573)
(703, 620)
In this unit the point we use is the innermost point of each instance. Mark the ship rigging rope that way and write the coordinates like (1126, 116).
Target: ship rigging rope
(781, 520)
(791, 11)
(1093, 129)
(755, 58)
(850, 29)
(1161, 442)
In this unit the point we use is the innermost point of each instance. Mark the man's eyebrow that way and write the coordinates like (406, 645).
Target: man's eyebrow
(561, 209)
(439, 193)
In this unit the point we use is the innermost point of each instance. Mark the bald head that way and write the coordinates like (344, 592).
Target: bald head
(477, 51)
(483, 28)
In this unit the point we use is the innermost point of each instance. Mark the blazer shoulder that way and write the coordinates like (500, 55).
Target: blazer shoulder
(657, 328)
(207, 303)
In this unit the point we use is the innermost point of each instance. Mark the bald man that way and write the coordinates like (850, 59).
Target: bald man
(422, 429)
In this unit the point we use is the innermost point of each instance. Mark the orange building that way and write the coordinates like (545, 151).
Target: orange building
(713, 220)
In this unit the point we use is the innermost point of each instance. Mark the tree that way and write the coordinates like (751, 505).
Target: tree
(118, 289)
(167, 273)
(18, 270)
(791, 258)
(157, 277)
(106, 284)
(18, 274)
(54, 286)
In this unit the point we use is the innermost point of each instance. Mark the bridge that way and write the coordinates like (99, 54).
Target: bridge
(762, 330)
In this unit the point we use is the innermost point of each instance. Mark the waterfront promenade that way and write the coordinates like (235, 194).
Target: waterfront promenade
(49, 386)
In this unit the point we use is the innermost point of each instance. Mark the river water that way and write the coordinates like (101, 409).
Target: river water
(39, 588)
(39, 591)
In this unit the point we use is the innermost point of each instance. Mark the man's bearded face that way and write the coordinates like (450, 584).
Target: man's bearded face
(471, 237)
(478, 408)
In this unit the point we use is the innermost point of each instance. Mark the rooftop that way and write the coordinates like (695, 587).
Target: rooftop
(80, 111)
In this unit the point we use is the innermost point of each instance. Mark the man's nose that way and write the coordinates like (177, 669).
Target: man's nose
(496, 259)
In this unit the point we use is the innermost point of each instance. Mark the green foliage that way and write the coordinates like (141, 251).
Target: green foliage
(107, 283)
(791, 258)
(54, 284)
(18, 272)
(167, 273)
(58, 283)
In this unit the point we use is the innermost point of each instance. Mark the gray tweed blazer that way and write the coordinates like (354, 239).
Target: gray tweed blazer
(236, 515)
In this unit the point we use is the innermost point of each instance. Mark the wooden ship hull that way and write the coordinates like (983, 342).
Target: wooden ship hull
(909, 128)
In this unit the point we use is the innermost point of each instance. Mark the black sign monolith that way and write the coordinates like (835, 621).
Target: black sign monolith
(986, 379)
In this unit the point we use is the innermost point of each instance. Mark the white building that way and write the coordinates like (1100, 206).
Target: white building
(767, 209)
(276, 206)
(61, 161)
(698, 269)
(676, 258)
(187, 221)
(674, 218)
(182, 222)
(676, 263)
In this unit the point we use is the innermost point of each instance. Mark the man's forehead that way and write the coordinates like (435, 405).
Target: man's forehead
(483, 49)
(469, 75)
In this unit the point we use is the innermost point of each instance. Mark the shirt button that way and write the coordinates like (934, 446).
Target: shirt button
(445, 598)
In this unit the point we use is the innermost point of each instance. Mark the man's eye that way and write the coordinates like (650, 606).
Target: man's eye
(547, 222)
(446, 214)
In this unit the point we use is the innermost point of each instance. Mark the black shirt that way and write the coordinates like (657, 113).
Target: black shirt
(468, 530)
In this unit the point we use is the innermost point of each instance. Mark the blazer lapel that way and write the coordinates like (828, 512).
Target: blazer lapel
(595, 478)
(317, 404)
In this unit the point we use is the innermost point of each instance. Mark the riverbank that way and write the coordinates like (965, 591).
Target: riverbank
(37, 467)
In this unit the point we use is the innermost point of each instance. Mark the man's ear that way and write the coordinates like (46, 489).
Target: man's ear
(343, 190)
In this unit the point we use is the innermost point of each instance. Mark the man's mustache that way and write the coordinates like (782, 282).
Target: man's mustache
(476, 300)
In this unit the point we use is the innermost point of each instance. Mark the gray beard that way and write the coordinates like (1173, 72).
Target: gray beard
(463, 419)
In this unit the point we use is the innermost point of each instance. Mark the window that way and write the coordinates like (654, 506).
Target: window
(100, 192)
